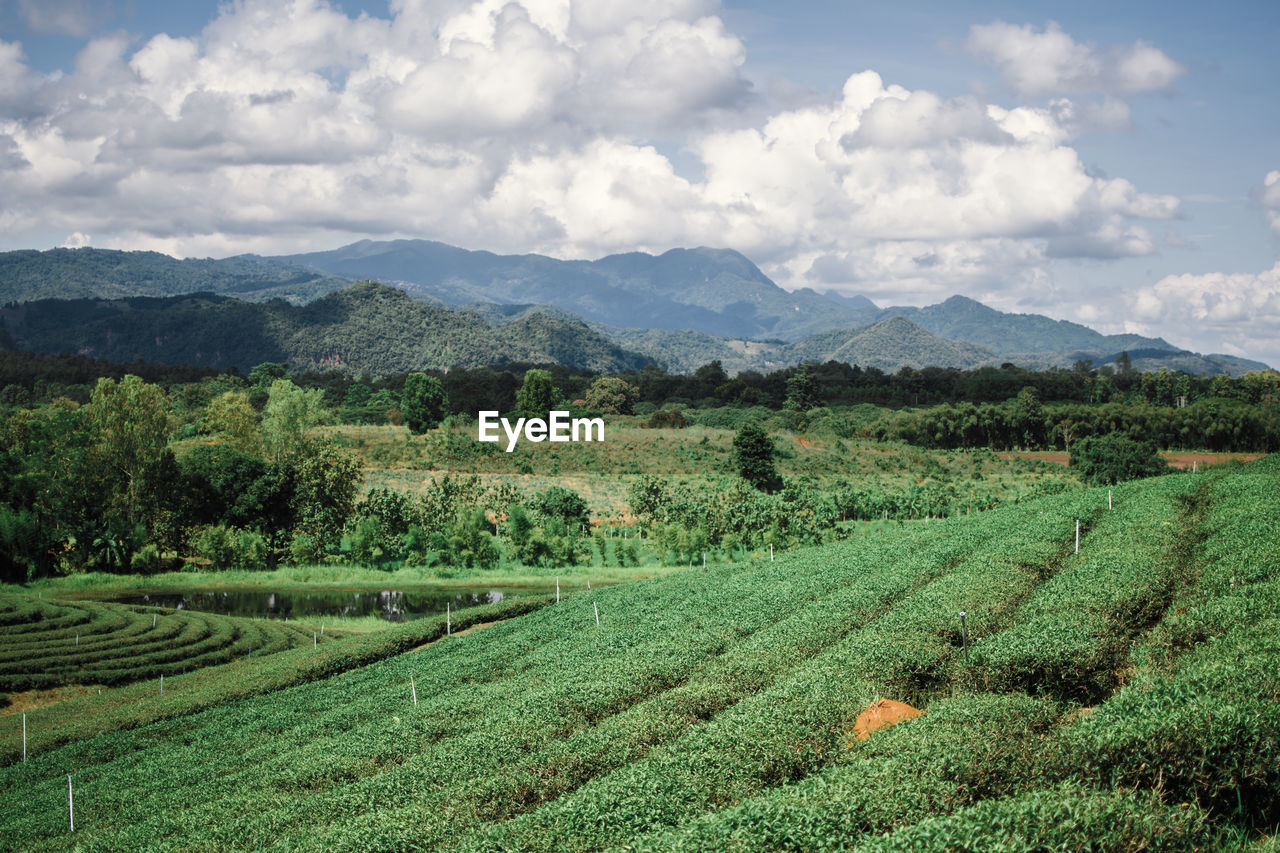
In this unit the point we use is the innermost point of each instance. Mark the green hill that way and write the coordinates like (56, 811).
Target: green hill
(366, 328)
(1123, 697)
(29, 275)
(888, 345)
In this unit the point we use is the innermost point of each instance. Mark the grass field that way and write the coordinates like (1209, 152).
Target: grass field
(600, 472)
(1125, 697)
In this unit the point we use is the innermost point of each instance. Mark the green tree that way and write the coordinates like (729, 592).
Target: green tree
(1114, 458)
(424, 402)
(537, 395)
(1028, 417)
(291, 411)
(612, 395)
(648, 495)
(231, 415)
(753, 453)
(324, 495)
(131, 424)
(563, 504)
(802, 390)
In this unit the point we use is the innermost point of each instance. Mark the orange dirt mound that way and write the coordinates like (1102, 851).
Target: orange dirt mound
(881, 713)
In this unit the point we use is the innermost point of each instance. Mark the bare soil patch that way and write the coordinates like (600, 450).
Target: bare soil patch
(882, 713)
(31, 700)
(1176, 460)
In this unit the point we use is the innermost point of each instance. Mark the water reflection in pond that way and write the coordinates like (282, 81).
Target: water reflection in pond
(393, 605)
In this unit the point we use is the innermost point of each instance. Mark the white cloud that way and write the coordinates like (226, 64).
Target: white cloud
(1232, 312)
(544, 126)
(1268, 195)
(1050, 62)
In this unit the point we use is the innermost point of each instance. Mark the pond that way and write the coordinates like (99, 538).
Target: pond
(390, 604)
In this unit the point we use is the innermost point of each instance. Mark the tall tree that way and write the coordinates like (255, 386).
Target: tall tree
(753, 451)
(131, 424)
(290, 412)
(424, 402)
(537, 395)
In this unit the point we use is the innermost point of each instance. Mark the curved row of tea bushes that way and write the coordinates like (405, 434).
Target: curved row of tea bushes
(54, 643)
(134, 705)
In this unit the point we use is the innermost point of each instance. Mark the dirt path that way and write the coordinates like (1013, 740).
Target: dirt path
(1176, 460)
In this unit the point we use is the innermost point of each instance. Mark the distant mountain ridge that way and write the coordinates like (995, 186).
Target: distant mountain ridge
(717, 291)
(682, 308)
(368, 327)
(29, 275)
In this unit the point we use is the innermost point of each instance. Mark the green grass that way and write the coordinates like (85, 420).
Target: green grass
(601, 471)
(713, 709)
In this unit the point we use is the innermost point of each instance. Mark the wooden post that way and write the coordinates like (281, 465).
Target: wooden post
(413, 690)
(1077, 536)
(596, 608)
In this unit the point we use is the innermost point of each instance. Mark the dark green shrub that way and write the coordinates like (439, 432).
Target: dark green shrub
(1113, 458)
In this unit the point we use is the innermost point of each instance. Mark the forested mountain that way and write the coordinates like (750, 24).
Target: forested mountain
(28, 275)
(888, 345)
(717, 291)
(962, 319)
(683, 308)
(366, 328)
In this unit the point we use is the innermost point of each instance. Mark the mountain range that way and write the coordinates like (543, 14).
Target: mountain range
(366, 328)
(682, 309)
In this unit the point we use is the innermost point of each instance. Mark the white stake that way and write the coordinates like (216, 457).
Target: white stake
(448, 617)
(77, 641)
(596, 608)
(321, 627)
(557, 589)
(704, 559)
(71, 810)
(162, 684)
(315, 640)
(413, 690)
(1193, 465)
(1108, 500)
(770, 552)
(588, 583)
(153, 620)
(1077, 536)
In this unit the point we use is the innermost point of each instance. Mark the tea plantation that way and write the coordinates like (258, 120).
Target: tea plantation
(1125, 696)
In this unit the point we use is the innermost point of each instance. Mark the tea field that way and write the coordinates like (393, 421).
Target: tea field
(1122, 696)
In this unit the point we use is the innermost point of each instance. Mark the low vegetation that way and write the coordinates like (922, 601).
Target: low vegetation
(1125, 695)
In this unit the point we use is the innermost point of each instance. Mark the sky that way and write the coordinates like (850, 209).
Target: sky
(1114, 164)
